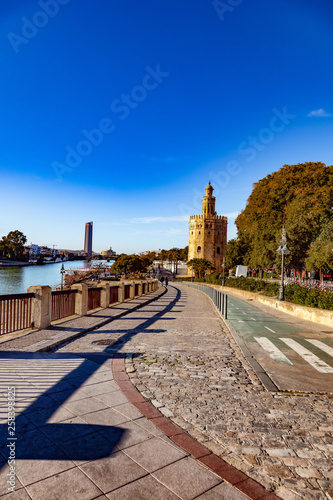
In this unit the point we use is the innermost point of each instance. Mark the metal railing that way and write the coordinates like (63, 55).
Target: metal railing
(15, 312)
(62, 304)
(219, 299)
(114, 294)
(94, 298)
(127, 291)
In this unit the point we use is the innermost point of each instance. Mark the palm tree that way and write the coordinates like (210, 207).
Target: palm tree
(200, 266)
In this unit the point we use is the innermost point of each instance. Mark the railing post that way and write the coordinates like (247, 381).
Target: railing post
(41, 306)
(81, 298)
(222, 309)
(140, 288)
(132, 290)
(105, 294)
(226, 307)
(121, 291)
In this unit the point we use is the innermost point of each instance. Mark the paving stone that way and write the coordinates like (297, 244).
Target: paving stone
(187, 478)
(71, 484)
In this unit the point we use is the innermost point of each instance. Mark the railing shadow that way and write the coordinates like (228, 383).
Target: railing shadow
(48, 441)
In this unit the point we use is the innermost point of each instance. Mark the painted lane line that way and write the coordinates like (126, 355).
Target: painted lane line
(273, 351)
(324, 347)
(269, 329)
(244, 313)
(308, 356)
(253, 319)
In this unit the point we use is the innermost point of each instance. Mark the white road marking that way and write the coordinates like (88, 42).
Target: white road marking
(324, 347)
(273, 351)
(253, 319)
(308, 356)
(244, 313)
(269, 329)
(240, 321)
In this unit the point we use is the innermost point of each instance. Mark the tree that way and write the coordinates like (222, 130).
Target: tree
(129, 264)
(200, 266)
(320, 255)
(237, 251)
(12, 245)
(298, 196)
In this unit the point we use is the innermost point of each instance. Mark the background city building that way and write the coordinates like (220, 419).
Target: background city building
(88, 238)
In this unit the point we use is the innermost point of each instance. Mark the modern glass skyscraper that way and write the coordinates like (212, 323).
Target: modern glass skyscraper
(88, 238)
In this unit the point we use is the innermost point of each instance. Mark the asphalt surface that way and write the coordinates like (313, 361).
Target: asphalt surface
(295, 358)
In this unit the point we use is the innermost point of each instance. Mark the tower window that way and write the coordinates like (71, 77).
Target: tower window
(218, 232)
(208, 232)
(218, 250)
(199, 249)
(199, 232)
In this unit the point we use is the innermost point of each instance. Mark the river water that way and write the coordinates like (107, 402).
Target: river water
(18, 279)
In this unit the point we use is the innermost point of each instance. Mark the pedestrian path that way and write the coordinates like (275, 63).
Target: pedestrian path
(159, 403)
(302, 360)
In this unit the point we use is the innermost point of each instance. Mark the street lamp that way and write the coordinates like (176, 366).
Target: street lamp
(223, 266)
(62, 272)
(283, 250)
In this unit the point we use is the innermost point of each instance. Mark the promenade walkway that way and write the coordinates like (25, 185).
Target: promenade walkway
(84, 432)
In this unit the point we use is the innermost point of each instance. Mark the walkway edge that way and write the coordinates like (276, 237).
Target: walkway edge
(257, 368)
(227, 472)
(48, 345)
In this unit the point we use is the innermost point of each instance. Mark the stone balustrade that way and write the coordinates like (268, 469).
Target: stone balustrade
(127, 290)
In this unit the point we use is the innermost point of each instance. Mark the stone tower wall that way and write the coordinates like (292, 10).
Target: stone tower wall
(208, 238)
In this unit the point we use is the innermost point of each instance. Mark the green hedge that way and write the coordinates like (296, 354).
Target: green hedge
(298, 294)
(312, 297)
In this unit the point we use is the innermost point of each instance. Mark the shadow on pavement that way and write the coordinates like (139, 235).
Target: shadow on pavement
(79, 441)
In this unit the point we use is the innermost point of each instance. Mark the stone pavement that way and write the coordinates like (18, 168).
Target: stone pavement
(78, 436)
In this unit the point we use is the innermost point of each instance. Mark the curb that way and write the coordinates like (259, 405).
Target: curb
(225, 471)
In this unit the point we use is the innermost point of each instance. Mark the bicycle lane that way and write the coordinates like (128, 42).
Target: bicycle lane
(296, 359)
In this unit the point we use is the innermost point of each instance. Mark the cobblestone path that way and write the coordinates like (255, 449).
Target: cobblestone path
(182, 358)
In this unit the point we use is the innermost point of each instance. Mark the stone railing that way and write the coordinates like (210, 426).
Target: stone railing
(104, 295)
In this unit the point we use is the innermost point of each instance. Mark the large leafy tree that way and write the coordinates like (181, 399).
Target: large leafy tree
(12, 245)
(298, 196)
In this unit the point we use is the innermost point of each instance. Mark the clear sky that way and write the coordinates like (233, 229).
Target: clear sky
(119, 112)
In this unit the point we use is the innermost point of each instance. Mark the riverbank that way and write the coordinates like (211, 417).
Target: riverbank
(8, 263)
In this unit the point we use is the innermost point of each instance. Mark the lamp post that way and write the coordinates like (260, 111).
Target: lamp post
(223, 267)
(62, 272)
(283, 250)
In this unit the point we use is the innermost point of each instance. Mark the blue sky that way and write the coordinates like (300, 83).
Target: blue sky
(120, 112)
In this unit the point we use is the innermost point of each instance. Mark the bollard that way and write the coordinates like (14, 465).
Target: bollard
(226, 307)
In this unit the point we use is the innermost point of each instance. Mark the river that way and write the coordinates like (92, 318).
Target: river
(18, 279)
